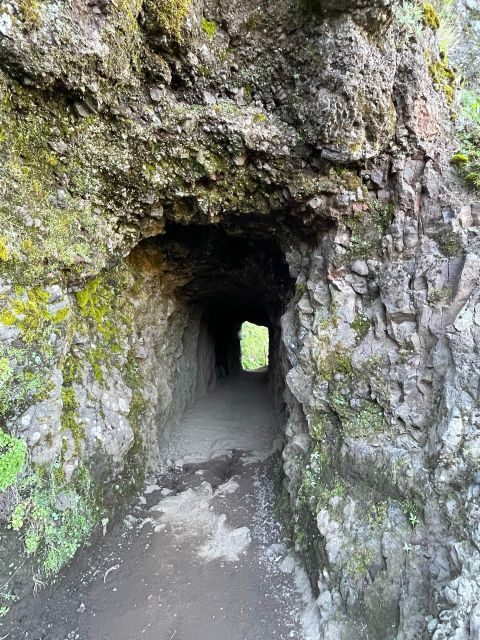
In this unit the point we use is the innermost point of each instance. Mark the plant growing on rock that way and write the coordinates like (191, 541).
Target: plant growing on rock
(467, 158)
(13, 455)
(55, 518)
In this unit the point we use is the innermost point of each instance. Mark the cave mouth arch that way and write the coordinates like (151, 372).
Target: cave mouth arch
(217, 276)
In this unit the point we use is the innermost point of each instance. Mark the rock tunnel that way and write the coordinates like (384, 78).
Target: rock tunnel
(172, 169)
(217, 277)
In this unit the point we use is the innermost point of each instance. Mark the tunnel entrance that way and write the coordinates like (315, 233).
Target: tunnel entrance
(217, 278)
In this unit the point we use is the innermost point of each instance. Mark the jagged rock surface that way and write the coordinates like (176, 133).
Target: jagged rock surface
(310, 137)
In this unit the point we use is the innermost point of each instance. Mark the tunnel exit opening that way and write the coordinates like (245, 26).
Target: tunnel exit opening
(254, 346)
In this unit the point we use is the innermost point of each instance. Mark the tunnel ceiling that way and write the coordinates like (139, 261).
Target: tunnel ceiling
(243, 274)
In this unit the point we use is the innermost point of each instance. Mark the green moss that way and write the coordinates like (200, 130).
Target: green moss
(360, 422)
(59, 236)
(31, 315)
(13, 454)
(430, 16)
(370, 419)
(209, 27)
(338, 361)
(106, 313)
(361, 325)
(69, 417)
(300, 289)
(459, 159)
(359, 562)
(450, 244)
(444, 78)
(55, 517)
(167, 16)
(25, 382)
(368, 228)
(94, 300)
(377, 513)
(30, 11)
(319, 486)
(4, 253)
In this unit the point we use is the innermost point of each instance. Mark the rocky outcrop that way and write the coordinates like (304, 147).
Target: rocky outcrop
(171, 170)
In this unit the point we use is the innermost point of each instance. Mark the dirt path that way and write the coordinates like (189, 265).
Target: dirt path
(200, 555)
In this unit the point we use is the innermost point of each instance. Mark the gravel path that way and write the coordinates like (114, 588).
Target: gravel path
(200, 555)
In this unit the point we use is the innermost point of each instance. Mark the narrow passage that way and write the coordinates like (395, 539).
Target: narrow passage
(200, 555)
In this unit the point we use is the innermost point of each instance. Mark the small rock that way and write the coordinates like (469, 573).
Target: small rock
(129, 521)
(5, 24)
(359, 267)
(81, 608)
(151, 488)
(82, 110)
(157, 94)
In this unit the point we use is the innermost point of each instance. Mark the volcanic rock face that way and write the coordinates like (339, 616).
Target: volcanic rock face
(172, 169)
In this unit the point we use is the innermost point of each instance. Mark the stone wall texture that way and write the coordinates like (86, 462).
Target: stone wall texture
(311, 142)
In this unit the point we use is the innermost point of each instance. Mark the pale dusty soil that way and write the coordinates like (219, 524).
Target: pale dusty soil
(200, 555)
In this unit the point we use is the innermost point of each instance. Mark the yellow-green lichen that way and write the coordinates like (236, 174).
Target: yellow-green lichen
(167, 16)
(29, 312)
(444, 78)
(459, 159)
(430, 16)
(30, 12)
(209, 27)
(106, 313)
(4, 253)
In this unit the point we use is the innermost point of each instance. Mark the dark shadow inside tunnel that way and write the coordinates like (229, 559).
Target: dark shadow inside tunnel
(231, 277)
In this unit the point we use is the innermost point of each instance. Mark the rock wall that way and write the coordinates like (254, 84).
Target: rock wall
(162, 160)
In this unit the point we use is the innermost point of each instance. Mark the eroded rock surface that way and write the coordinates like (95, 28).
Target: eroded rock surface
(167, 174)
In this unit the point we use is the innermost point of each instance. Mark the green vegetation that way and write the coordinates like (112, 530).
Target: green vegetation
(319, 485)
(30, 11)
(358, 563)
(415, 16)
(467, 158)
(25, 366)
(13, 455)
(167, 16)
(412, 512)
(444, 78)
(56, 518)
(30, 314)
(361, 325)
(209, 27)
(105, 312)
(450, 244)
(254, 346)
(368, 228)
(4, 254)
(410, 16)
(338, 361)
(430, 16)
